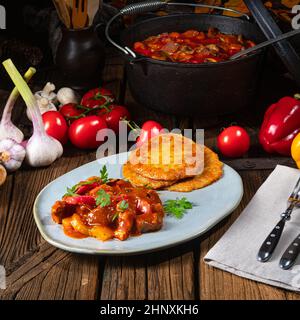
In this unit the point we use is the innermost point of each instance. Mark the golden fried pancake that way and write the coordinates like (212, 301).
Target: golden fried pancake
(168, 157)
(140, 181)
(213, 171)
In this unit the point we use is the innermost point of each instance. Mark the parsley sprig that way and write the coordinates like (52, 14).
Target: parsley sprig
(178, 207)
(104, 174)
(71, 192)
(103, 199)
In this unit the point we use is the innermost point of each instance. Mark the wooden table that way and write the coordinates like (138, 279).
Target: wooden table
(37, 270)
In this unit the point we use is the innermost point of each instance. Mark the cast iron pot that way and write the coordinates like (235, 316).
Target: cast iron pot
(193, 89)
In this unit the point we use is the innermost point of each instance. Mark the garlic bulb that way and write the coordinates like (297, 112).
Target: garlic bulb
(42, 150)
(67, 95)
(44, 105)
(12, 154)
(3, 175)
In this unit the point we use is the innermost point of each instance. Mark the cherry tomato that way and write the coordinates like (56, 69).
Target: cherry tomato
(70, 111)
(56, 126)
(97, 97)
(149, 130)
(233, 142)
(116, 114)
(83, 132)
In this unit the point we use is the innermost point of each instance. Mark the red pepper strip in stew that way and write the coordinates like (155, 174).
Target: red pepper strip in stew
(85, 188)
(88, 200)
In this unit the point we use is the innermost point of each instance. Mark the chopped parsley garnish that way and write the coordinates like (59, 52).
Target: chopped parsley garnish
(115, 216)
(103, 198)
(178, 207)
(123, 205)
(104, 174)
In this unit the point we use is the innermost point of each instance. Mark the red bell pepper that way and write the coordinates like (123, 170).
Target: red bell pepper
(78, 200)
(280, 126)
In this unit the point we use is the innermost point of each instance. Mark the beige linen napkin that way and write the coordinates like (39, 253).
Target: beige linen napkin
(236, 251)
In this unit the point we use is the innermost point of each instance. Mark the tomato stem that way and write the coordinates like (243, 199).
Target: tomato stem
(131, 124)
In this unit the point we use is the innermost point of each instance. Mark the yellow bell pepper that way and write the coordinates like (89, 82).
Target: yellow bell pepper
(295, 150)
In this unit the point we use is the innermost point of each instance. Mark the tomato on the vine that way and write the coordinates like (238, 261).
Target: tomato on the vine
(56, 126)
(83, 132)
(233, 142)
(115, 115)
(71, 111)
(97, 97)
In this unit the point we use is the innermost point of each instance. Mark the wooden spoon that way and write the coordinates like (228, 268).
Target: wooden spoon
(93, 7)
(79, 14)
(63, 12)
(3, 175)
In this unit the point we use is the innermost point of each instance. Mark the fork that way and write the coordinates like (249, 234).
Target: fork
(269, 245)
(79, 13)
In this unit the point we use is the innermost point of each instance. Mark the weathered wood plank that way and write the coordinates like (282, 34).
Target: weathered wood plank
(124, 278)
(171, 274)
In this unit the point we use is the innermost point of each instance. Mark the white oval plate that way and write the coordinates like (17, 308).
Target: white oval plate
(210, 205)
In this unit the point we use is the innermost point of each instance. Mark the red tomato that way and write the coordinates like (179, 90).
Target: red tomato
(116, 114)
(233, 142)
(56, 126)
(83, 132)
(96, 97)
(149, 130)
(70, 111)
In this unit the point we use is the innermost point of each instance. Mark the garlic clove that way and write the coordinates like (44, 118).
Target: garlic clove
(10, 131)
(67, 95)
(3, 175)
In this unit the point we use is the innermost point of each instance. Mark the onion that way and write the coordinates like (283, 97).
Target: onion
(170, 47)
(41, 149)
(7, 129)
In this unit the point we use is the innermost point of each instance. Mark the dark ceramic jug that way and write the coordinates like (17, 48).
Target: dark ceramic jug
(80, 58)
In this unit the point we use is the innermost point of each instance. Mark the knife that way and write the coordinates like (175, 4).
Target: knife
(291, 254)
(267, 248)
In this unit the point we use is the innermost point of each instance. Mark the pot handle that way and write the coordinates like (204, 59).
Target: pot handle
(143, 7)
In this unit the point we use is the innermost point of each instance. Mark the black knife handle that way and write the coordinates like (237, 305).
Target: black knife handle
(291, 254)
(269, 245)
